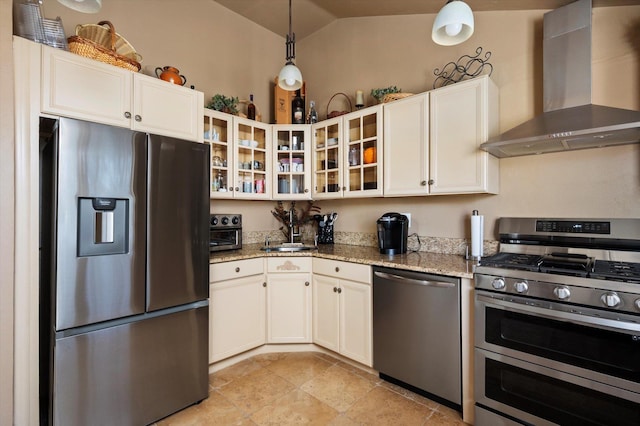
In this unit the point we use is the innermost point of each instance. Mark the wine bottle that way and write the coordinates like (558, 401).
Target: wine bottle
(313, 114)
(251, 109)
(297, 109)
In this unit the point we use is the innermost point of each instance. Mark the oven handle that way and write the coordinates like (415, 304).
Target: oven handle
(632, 328)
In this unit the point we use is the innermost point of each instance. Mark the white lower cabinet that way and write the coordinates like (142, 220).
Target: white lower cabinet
(289, 300)
(236, 307)
(342, 314)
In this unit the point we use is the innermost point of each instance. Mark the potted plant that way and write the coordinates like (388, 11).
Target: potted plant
(379, 94)
(222, 103)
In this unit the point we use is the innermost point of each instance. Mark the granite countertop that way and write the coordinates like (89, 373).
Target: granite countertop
(434, 263)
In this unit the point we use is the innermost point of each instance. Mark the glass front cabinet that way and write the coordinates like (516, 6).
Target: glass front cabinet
(291, 162)
(218, 133)
(362, 153)
(240, 156)
(327, 155)
(347, 155)
(252, 149)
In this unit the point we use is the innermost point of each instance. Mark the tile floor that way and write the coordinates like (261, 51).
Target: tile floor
(307, 388)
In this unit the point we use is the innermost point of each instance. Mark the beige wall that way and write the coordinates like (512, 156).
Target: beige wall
(6, 216)
(365, 53)
(220, 51)
(217, 50)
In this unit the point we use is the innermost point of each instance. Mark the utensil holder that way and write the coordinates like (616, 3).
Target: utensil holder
(325, 234)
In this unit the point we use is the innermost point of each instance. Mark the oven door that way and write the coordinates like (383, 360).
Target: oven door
(225, 239)
(541, 361)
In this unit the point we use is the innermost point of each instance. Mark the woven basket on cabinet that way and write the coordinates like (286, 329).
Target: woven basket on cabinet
(102, 43)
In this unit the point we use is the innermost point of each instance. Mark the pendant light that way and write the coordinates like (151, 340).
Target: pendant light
(453, 24)
(290, 77)
(84, 6)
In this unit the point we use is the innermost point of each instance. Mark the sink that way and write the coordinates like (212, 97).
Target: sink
(288, 247)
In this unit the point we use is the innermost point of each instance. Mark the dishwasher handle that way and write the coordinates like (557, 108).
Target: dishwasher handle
(406, 280)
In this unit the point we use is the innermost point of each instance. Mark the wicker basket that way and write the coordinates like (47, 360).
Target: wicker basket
(105, 45)
(338, 113)
(389, 97)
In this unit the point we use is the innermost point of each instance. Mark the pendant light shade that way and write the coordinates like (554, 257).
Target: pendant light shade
(453, 24)
(290, 77)
(84, 6)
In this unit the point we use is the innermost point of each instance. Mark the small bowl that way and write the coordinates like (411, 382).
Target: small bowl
(217, 161)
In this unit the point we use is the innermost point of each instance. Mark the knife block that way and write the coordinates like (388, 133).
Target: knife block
(325, 234)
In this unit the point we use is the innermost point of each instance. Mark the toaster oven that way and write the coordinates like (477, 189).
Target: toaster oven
(225, 232)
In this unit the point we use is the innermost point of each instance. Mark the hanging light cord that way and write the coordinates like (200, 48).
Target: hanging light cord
(291, 41)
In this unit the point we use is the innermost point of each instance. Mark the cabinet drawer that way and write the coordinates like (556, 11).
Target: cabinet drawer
(288, 264)
(344, 270)
(235, 269)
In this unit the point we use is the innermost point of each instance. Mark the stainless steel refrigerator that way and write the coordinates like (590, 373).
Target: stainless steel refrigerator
(124, 274)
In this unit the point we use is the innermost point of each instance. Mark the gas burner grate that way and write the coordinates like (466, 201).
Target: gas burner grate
(614, 270)
(519, 261)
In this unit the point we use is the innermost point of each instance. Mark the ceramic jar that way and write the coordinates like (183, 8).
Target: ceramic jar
(171, 74)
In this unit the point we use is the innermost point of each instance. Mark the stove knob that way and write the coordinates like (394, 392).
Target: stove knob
(235, 220)
(225, 220)
(498, 283)
(562, 293)
(214, 220)
(610, 299)
(521, 287)
(637, 303)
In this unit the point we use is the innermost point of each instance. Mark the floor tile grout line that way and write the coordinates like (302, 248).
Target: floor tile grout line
(331, 362)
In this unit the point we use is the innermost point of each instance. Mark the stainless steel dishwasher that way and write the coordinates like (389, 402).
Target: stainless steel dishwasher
(416, 332)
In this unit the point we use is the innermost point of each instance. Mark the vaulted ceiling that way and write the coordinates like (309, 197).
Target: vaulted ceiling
(309, 16)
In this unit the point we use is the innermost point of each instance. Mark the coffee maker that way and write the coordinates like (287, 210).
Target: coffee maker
(393, 229)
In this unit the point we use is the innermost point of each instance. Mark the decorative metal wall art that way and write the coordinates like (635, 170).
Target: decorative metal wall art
(464, 68)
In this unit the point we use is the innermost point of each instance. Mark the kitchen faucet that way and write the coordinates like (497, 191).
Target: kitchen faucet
(292, 233)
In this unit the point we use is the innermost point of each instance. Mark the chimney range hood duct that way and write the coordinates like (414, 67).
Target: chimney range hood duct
(570, 121)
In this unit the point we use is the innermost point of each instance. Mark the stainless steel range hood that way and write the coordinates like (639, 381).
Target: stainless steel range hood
(570, 121)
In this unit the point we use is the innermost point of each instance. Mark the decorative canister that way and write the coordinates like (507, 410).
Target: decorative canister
(171, 74)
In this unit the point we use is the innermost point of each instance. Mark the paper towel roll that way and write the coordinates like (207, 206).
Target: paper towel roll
(477, 234)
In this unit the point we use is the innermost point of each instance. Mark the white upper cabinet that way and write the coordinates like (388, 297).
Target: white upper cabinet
(362, 155)
(77, 87)
(463, 116)
(326, 137)
(406, 147)
(347, 155)
(291, 162)
(252, 159)
(166, 109)
(432, 141)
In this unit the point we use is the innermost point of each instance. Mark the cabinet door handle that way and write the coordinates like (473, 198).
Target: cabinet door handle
(431, 182)
(306, 190)
(339, 290)
(127, 114)
(264, 284)
(337, 269)
(423, 183)
(237, 269)
(138, 118)
(306, 283)
(335, 289)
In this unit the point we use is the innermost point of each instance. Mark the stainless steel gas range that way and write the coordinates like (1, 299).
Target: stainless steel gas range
(557, 324)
